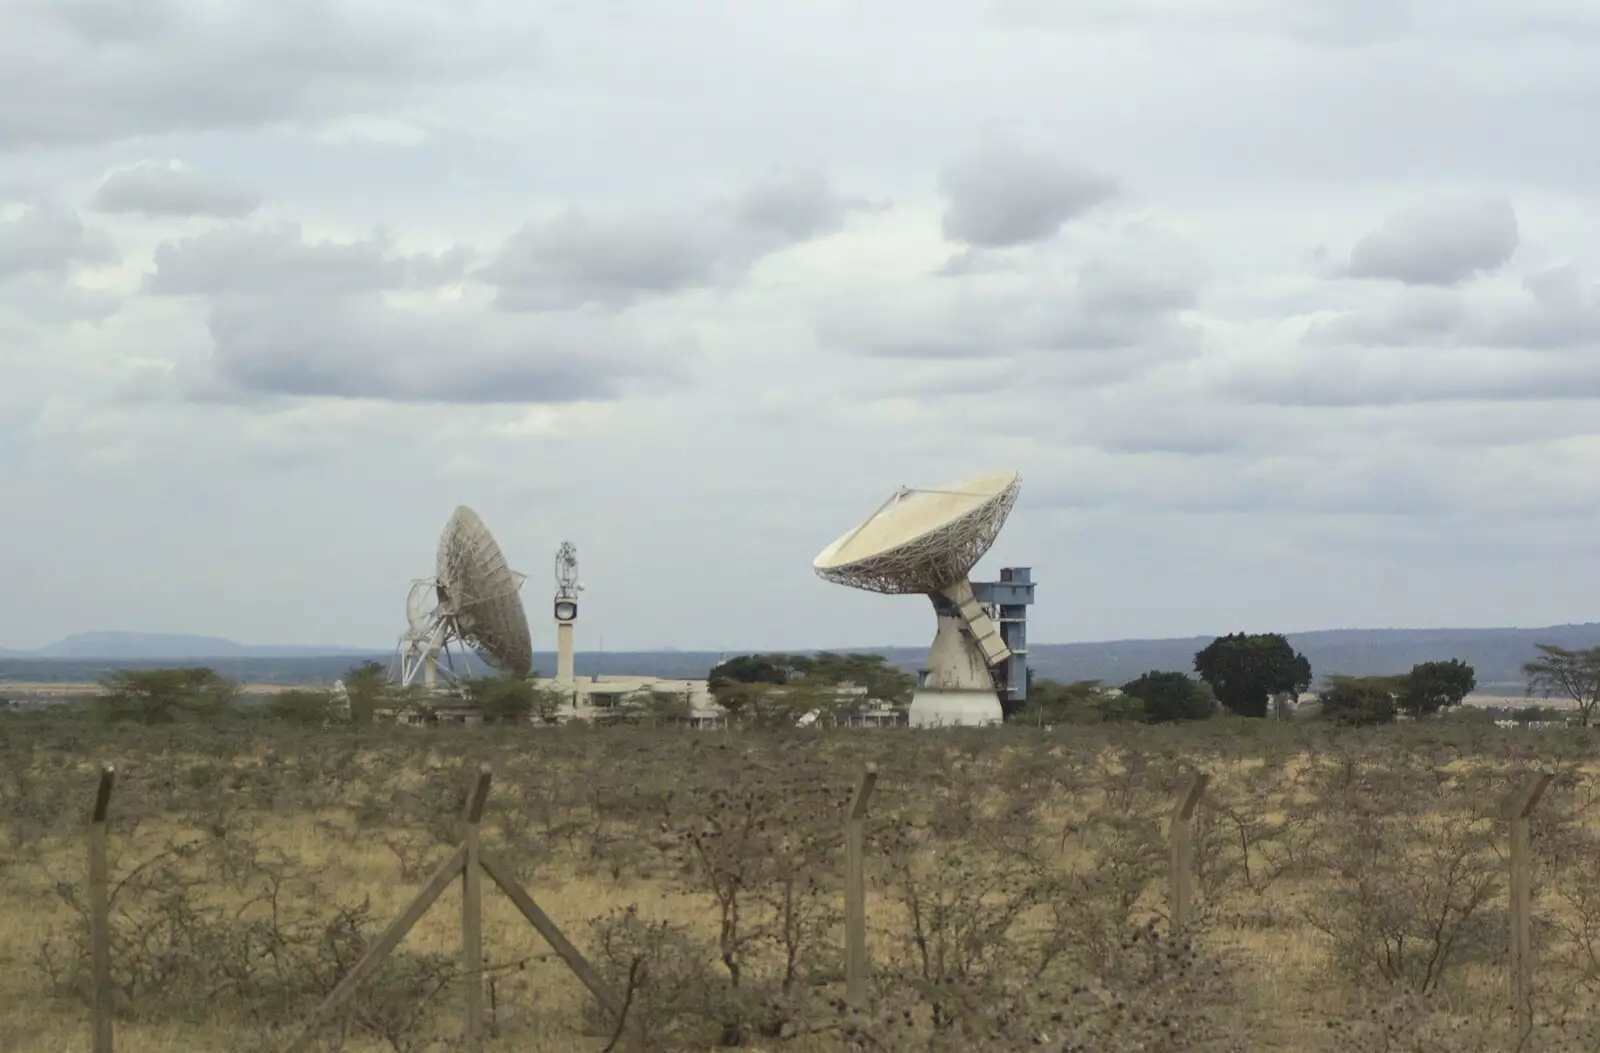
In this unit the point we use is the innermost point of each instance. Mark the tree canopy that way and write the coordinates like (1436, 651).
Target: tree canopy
(302, 706)
(161, 696)
(367, 686)
(1171, 696)
(511, 700)
(1431, 686)
(1244, 670)
(752, 669)
(1076, 702)
(1562, 673)
(1355, 700)
(871, 672)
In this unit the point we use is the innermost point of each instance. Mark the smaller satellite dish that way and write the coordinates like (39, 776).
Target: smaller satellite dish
(471, 600)
(483, 593)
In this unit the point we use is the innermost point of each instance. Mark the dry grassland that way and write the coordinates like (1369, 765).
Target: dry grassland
(1349, 886)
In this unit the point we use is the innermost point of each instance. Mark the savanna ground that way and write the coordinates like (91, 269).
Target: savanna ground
(1349, 886)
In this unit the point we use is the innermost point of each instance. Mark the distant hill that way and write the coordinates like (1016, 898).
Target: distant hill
(1496, 654)
(169, 645)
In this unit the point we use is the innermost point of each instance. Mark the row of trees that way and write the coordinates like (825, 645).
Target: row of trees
(1254, 675)
(782, 690)
(1558, 672)
(162, 696)
(1248, 675)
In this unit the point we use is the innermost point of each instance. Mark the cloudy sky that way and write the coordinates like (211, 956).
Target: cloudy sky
(1288, 311)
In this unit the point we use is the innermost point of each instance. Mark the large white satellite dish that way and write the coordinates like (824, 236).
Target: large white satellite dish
(928, 541)
(472, 602)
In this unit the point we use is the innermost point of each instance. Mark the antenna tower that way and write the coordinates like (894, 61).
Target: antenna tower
(566, 608)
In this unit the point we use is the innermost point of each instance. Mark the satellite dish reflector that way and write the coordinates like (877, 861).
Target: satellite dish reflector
(472, 601)
(481, 592)
(922, 540)
(928, 541)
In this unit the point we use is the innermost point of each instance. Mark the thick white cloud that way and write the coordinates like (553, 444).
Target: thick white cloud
(1286, 311)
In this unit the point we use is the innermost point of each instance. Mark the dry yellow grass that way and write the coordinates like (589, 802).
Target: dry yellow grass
(1286, 980)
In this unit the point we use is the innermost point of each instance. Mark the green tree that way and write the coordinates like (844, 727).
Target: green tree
(1244, 670)
(301, 706)
(779, 705)
(752, 669)
(870, 672)
(367, 686)
(1079, 702)
(161, 696)
(511, 700)
(1171, 696)
(1356, 700)
(1431, 686)
(660, 707)
(1564, 673)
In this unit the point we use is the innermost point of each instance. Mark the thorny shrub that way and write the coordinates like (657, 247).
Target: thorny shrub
(264, 949)
(1006, 869)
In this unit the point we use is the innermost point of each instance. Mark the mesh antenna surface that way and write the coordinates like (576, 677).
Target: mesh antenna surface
(927, 541)
(472, 602)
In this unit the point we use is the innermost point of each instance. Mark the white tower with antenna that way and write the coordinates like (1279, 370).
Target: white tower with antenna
(566, 609)
(928, 541)
(471, 602)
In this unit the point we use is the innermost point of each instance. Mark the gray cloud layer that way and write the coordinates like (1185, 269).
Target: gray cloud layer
(1005, 195)
(163, 190)
(280, 261)
(575, 258)
(1101, 322)
(76, 71)
(690, 379)
(49, 240)
(1557, 308)
(296, 318)
(38, 250)
(1441, 243)
(359, 348)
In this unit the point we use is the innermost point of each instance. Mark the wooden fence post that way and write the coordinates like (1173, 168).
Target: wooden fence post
(855, 890)
(472, 1031)
(1181, 850)
(100, 914)
(380, 948)
(468, 862)
(1518, 808)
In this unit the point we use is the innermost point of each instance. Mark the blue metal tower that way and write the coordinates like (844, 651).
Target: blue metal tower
(1010, 596)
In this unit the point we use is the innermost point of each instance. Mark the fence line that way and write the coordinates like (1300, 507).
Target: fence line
(470, 862)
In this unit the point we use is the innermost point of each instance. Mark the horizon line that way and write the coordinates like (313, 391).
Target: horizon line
(334, 651)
